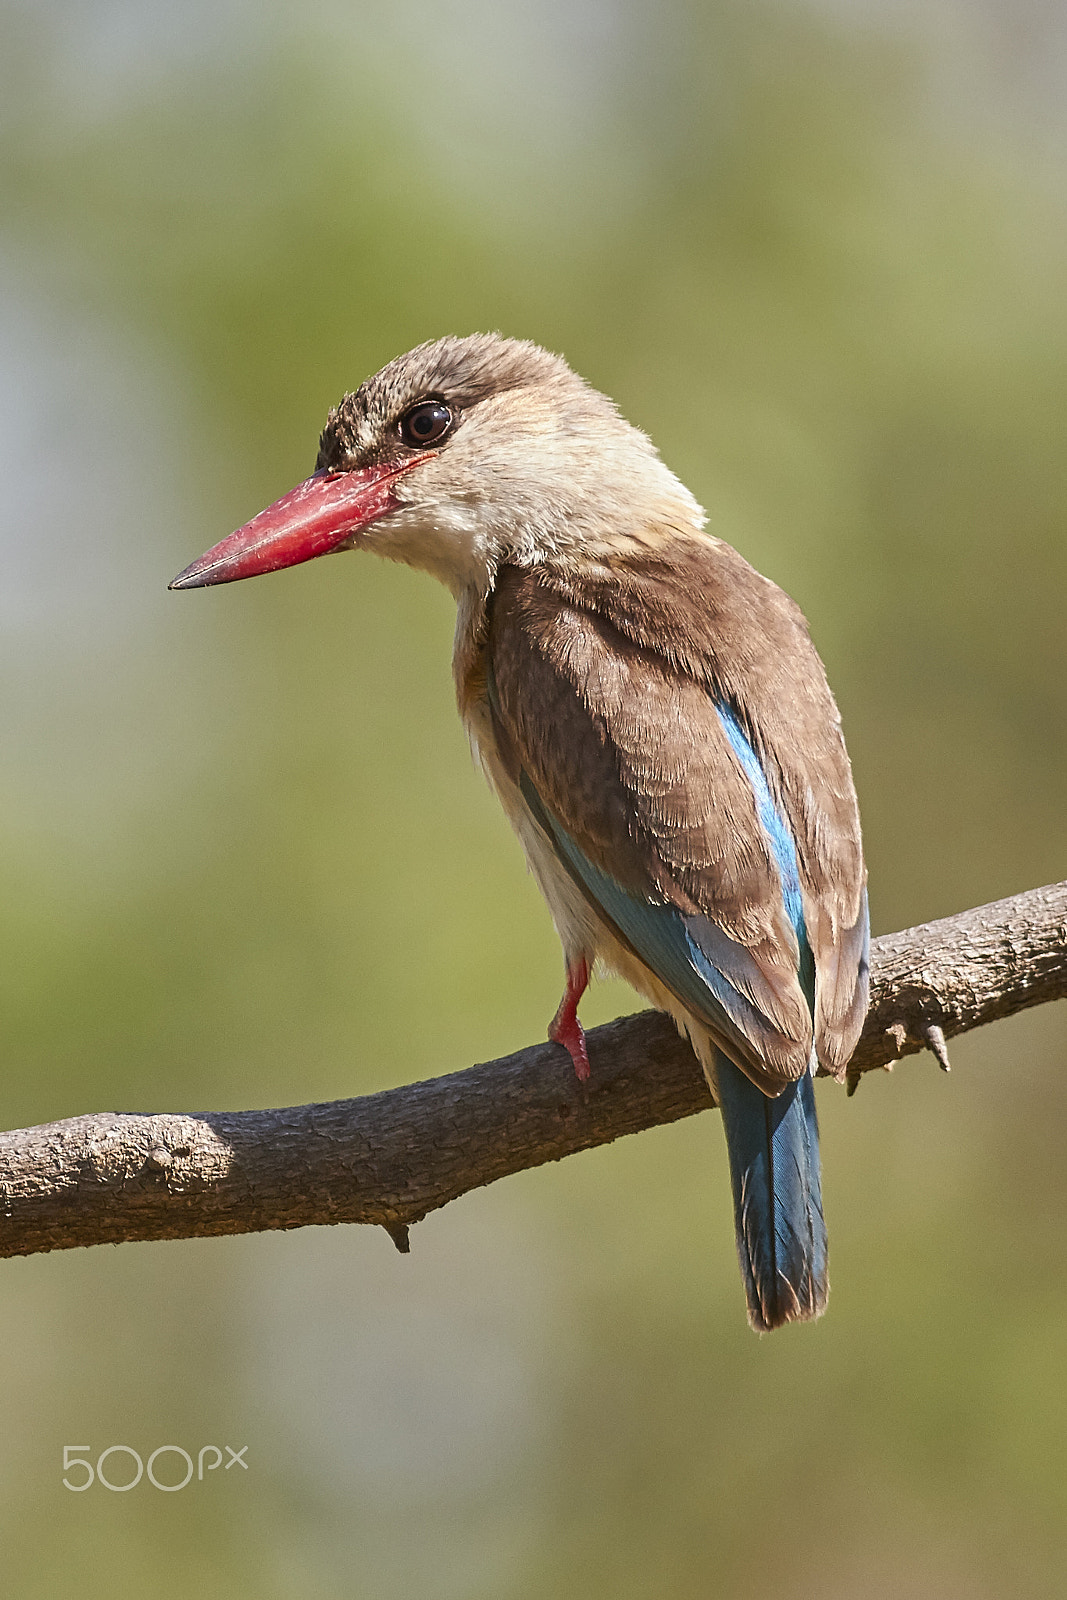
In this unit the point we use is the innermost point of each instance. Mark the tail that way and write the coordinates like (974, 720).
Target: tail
(773, 1147)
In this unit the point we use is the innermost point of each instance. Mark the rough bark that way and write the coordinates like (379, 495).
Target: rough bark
(391, 1158)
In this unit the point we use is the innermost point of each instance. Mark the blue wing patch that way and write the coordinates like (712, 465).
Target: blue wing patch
(780, 838)
(771, 821)
(710, 973)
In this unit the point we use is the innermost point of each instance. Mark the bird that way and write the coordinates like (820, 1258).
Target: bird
(655, 720)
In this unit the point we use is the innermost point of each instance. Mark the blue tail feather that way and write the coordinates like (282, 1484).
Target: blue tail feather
(773, 1147)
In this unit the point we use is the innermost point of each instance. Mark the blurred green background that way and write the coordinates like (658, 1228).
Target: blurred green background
(819, 252)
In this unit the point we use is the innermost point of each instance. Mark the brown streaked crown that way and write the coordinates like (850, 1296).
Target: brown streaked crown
(362, 430)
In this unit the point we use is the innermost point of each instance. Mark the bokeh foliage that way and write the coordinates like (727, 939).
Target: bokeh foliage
(246, 860)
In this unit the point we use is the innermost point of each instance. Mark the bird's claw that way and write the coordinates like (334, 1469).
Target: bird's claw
(565, 1029)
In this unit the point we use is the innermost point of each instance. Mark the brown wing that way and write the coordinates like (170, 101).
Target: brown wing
(607, 684)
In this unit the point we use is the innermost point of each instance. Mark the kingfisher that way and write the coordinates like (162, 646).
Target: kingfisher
(656, 722)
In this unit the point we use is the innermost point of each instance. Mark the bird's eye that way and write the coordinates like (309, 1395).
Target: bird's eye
(426, 423)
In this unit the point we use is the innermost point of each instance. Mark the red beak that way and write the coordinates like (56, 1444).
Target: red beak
(318, 516)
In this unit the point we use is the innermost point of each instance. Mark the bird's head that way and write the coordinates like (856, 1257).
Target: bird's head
(460, 455)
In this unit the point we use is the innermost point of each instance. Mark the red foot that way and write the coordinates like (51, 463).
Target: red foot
(565, 1029)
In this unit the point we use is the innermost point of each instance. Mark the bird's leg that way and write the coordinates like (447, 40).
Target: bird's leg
(565, 1029)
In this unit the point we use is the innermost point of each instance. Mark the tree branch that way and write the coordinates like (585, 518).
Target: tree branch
(391, 1158)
